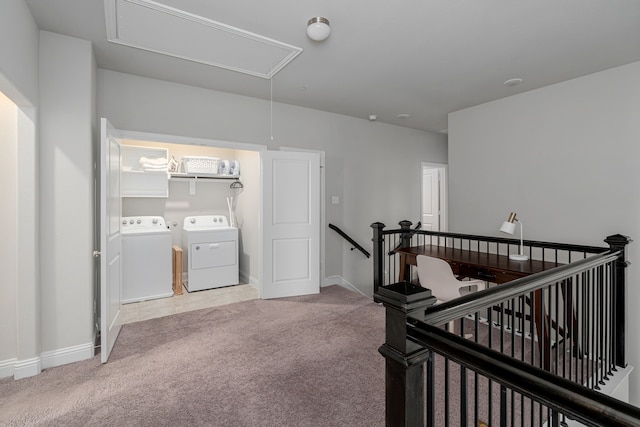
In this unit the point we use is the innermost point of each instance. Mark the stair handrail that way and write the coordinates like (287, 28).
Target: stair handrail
(560, 394)
(350, 240)
(410, 234)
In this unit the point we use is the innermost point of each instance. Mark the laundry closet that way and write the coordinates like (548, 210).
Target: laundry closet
(199, 203)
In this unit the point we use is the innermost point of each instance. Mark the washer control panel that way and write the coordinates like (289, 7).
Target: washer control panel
(143, 223)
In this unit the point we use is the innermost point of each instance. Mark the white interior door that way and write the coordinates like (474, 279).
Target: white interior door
(430, 199)
(290, 224)
(110, 240)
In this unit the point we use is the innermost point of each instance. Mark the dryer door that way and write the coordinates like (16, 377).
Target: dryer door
(212, 254)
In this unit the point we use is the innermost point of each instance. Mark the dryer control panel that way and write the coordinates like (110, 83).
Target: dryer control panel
(205, 222)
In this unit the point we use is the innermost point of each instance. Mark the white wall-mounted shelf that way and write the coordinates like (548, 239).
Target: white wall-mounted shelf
(183, 176)
(192, 179)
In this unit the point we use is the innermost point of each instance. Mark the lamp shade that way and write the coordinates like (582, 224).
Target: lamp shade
(318, 28)
(508, 227)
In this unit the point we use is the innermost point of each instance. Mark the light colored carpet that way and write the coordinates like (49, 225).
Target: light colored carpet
(302, 361)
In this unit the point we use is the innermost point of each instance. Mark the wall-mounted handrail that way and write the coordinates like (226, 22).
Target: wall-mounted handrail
(350, 240)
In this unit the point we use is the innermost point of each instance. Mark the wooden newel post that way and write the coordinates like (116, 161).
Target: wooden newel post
(619, 242)
(378, 264)
(405, 242)
(404, 368)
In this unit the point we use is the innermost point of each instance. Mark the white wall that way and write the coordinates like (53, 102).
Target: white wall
(18, 53)
(565, 158)
(246, 214)
(9, 219)
(374, 168)
(66, 222)
(20, 336)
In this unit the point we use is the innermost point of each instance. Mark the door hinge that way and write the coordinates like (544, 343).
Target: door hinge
(96, 254)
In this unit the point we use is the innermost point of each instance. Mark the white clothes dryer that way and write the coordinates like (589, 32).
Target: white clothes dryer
(212, 252)
(146, 259)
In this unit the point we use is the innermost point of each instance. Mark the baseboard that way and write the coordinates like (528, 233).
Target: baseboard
(339, 280)
(7, 367)
(27, 368)
(618, 384)
(67, 355)
(248, 279)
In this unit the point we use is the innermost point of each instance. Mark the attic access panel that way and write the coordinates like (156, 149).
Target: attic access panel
(145, 24)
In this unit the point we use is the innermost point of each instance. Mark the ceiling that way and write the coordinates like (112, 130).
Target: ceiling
(424, 58)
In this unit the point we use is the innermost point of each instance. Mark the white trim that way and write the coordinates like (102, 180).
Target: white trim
(339, 280)
(217, 31)
(67, 355)
(187, 140)
(249, 280)
(617, 386)
(7, 367)
(27, 368)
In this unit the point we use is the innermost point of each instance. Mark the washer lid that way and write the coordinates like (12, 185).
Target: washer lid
(205, 222)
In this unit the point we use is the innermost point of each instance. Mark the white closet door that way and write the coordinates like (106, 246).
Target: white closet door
(110, 240)
(430, 199)
(290, 224)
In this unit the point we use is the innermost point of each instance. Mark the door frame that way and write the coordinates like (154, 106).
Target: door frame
(444, 197)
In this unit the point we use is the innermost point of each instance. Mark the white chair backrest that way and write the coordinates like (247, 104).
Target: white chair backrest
(436, 274)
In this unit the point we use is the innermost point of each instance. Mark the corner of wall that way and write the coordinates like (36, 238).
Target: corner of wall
(27, 368)
(341, 281)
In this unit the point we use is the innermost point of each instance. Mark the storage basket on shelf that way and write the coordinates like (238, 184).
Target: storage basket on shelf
(200, 165)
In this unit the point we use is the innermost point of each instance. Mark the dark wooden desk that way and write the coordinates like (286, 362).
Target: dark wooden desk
(491, 268)
(478, 265)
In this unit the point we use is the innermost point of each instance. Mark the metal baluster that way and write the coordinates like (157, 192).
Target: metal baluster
(556, 288)
(503, 406)
(585, 326)
(446, 392)
(610, 318)
(601, 350)
(594, 332)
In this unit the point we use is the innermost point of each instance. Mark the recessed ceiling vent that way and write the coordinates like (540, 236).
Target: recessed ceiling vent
(145, 24)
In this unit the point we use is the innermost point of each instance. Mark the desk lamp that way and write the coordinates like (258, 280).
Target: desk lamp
(509, 227)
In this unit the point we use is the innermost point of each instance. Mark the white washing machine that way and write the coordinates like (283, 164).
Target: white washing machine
(212, 252)
(146, 259)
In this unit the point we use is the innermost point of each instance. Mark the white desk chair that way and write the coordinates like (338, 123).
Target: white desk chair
(436, 274)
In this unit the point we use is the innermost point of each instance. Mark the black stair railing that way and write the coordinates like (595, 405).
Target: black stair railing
(350, 240)
(499, 366)
(408, 236)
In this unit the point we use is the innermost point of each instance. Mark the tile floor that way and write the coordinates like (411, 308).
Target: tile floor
(151, 309)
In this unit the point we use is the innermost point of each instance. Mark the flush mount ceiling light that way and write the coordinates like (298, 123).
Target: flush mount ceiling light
(318, 28)
(513, 82)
